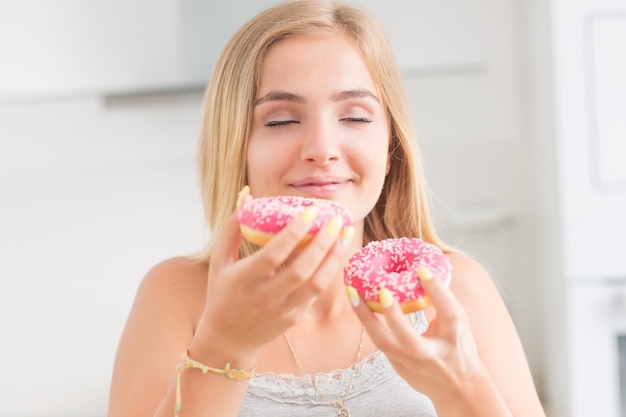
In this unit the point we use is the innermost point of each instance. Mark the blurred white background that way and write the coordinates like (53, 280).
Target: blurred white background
(519, 108)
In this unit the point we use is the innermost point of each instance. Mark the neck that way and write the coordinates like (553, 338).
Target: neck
(330, 304)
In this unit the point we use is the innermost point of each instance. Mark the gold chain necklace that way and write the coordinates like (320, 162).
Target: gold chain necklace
(343, 410)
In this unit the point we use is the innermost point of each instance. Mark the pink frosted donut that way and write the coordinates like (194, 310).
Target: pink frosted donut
(394, 264)
(261, 218)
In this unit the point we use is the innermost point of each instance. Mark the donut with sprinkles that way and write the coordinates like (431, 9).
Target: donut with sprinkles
(260, 219)
(395, 264)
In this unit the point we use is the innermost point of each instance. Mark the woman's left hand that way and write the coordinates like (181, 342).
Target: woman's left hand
(443, 362)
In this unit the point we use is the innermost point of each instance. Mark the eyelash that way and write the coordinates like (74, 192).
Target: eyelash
(357, 119)
(279, 123)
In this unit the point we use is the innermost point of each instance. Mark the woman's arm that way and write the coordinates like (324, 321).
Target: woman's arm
(159, 328)
(497, 341)
(224, 313)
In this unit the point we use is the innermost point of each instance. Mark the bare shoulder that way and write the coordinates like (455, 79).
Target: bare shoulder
(167, 307)
(471, 281)
(464, 265)
(495, 335)
(179, 272)
(179, 283)
(476, 291)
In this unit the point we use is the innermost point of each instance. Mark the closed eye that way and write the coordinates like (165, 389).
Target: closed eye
(278, 123)
(356, 119)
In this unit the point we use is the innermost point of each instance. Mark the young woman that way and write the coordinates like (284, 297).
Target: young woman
(306, 100)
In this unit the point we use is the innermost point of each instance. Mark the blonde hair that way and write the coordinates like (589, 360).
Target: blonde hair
(402, 208)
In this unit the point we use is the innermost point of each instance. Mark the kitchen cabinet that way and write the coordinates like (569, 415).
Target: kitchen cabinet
(60, 48)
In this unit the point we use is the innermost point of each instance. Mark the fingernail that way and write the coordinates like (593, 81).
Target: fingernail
(386, 298)
(245, 191)
(309, 214)
(346, 235)
(353, 296)
(424, 273)
(334, 226)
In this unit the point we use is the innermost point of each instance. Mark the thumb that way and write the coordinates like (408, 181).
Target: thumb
(438, 291)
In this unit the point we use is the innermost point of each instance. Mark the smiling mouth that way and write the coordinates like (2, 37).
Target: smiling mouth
(318, 184)
(320, 188)
(320, 181)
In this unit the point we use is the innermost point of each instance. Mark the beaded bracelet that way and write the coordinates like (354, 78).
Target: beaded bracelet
(237, 374)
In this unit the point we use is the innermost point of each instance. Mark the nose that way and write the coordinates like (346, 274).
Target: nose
(320, 145)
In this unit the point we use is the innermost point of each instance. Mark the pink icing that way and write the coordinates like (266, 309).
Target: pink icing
(271, 214)
(393, 264)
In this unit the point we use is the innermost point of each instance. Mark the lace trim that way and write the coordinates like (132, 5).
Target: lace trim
(371, 371)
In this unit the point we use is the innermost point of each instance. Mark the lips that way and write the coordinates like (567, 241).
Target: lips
(321, 187)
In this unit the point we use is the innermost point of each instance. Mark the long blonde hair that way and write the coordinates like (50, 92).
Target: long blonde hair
(402, 208)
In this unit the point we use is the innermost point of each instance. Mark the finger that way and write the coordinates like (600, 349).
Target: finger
(376, 329)
(397, 321)
(326, 271)
(315, 265)
(244, 196)
(298, 284)
(230, 237)
(276, 252)
(444, 302)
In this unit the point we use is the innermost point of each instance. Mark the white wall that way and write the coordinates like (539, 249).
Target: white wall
(91, 197)
(545, 200)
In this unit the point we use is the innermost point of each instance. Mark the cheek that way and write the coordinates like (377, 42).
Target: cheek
(372, 173)
(264, 168)
(376, 166)
(373, 158)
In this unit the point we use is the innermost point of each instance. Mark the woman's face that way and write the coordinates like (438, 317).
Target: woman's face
(319, 128)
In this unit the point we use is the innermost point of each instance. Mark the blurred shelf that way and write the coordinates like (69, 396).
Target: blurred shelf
(470, 68)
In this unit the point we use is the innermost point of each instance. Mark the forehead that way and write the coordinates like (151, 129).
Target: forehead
(319, 59)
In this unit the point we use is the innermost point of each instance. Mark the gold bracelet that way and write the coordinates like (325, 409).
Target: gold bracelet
(232, 373)
(187, 363)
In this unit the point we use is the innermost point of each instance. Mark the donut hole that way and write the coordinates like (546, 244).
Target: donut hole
(394, 264)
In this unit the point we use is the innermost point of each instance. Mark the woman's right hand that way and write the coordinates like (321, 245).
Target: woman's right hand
(253, 300)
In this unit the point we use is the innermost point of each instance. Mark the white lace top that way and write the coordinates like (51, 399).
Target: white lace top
(377, 391)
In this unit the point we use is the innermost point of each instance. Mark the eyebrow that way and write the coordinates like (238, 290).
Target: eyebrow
(296, 98)
(279, 96)
(355, 93)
